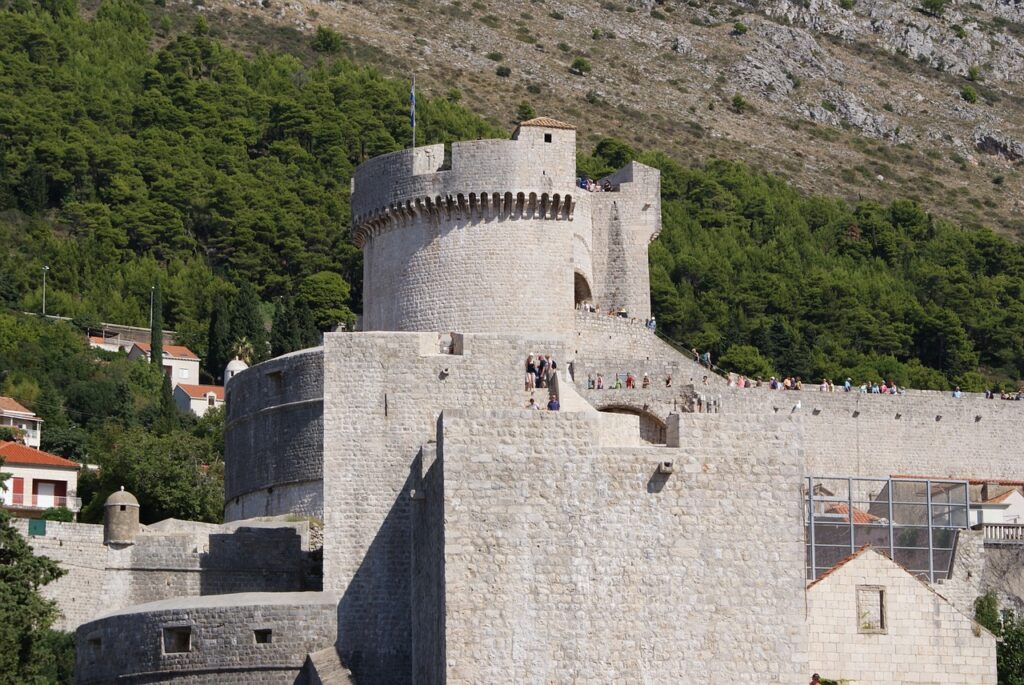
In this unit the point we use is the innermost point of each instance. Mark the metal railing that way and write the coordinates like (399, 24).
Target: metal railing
(24, 501)
(1012, 533)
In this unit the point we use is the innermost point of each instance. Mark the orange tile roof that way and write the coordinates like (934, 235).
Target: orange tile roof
(176, 351)
(859, 516)
(547, 122)
(10, 404)
(998, 499)
(14, 453)
(971, 481)
(201, 391)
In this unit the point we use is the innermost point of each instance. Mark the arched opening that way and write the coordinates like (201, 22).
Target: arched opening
(652, 429)
(581, 290)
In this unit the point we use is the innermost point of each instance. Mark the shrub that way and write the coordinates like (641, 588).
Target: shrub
(593, 97)
(739, 28)
(580, 66)
(934, 7)
(973, 73)
(846, 4)
(887, 107)
(564, 47)
(829, 105)
(555, 14)
(58, 514)
(596, 34)
(503, 71)
(327, 40)
(533, 88)
(959, 31)
(969, 94)
(525, 111)
(655, 14)
(490, 20)
(739, 104)
(496, 56)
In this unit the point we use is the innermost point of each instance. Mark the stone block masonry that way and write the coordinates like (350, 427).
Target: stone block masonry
(568, 562)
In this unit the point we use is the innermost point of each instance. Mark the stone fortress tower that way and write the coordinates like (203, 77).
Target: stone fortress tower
(499, 237)
(654, 535)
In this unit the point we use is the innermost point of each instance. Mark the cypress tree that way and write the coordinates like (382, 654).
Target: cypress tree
(218, 340)
(247, 322)
(282, 330)
(156, 329)
(168, 420)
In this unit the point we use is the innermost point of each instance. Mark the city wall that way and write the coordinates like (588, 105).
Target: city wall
(567, 562)
(173, 558)
(273, 438)
(218, 640)
(384, 392)
(920, 433)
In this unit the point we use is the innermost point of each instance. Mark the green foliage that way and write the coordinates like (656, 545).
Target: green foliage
(825, 289)
(156, 328)
(746, 360)
(327, 40)
(1010, 651)
(739, 104)
(580, 66)
(829, 106)
(973, 73)
(26, 645)
(555, 14)
(969, 94)
(324, 295)
(503, 71)
(9, 434)
(935, 8)
(739, 28)
(58, 514)
(247, 326)
(525, 111)
(847, 4)
(986, 612)
(495, 56)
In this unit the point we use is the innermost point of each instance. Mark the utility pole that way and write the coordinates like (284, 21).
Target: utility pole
(45, 269)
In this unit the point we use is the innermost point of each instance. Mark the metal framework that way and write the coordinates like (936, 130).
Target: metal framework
(914, 521)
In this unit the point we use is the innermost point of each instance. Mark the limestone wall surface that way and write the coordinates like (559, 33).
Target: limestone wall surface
(568, 562)
(273, 438)
(921, 434)
(221, 645)
(924, 640)
(384, 392)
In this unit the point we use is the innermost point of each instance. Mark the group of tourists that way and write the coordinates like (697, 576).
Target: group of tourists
(590, 186)
(539, 371)
(625, 381)
(553, 404)
(991, 395)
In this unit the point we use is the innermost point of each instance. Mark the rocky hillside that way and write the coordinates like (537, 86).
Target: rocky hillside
(869, 98)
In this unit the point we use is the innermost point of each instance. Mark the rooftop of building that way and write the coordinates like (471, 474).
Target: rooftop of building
(172, 351)
(16, 454)
(199, 392)
(239, 599)
(8, 405)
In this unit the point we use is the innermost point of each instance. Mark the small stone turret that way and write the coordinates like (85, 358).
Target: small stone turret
(120, 518)
(234, 366)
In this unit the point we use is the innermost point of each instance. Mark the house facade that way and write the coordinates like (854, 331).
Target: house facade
(38, 481)
(198, 399)
(14, 415)
(179, 363)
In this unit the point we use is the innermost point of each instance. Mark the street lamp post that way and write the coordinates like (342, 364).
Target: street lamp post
(45, 269)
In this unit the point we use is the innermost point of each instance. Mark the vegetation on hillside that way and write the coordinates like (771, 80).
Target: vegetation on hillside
(1009, 629)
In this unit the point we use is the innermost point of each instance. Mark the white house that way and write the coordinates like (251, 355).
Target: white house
(179, 362)
(13, 415)
(39, 480)
(870, 621)
(1007, 508)
(198, 399)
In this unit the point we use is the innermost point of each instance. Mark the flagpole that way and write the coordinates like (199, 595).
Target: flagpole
(412, 110)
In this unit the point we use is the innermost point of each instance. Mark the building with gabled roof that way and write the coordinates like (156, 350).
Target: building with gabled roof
(198, 399)
(28, 426)
(179, 363)
(39, 480)
(871, 621)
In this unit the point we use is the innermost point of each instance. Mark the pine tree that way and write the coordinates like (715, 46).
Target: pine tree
(282, 329)
(306, 332)
(247, 322)
(218, 341)
(156, 329)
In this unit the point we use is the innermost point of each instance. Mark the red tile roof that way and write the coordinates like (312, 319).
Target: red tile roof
(999, 498)
(971, 481)
(859, 516)
(9, 404)
(14, 453)
(201, 391)
(176, 351)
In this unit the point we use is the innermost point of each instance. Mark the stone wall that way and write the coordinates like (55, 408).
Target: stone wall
(384, 392)
(924, 640)
(170, 559)
(78, 548)
(273, 438)
(568, 562)
(221, 647)
(923, 434)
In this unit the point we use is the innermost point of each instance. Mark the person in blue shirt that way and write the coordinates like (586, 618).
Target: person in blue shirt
(553, 404)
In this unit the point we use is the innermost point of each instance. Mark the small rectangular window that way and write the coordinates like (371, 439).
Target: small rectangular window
(95, 648)
(183, 373)
(177, 640)
(263, 636)
(547, 137)
(871, 609)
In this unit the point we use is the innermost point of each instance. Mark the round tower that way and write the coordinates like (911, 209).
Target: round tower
(120, 518)
(235, 366)
(481, 241)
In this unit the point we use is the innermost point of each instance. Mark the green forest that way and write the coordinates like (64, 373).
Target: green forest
(134, 161)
